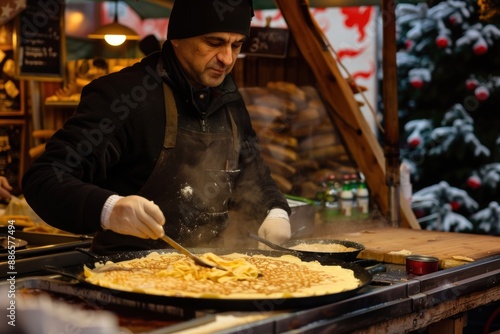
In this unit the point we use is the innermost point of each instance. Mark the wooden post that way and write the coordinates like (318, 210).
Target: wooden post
(391, 117)
(343, 108)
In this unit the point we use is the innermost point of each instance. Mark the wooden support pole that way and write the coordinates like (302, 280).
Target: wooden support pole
(390, 105)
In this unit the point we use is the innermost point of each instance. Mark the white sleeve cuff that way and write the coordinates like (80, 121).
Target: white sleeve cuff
(278, 213)
(107, 208)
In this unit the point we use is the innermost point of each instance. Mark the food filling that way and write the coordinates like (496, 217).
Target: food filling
(327, 248)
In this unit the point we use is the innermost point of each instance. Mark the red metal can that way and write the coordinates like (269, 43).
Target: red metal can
(421, 265)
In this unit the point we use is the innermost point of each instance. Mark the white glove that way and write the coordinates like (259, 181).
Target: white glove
(136, 216)
(275, 228)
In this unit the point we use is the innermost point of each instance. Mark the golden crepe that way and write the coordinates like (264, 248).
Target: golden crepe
(325, 248)
(246, 277)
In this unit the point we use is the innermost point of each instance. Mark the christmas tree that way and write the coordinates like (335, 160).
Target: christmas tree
(449, 103)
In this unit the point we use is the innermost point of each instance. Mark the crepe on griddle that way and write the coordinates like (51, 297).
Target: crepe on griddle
(246, 277)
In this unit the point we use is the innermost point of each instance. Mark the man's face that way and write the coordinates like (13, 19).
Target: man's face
(207, 59)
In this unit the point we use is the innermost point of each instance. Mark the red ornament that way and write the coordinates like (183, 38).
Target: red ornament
(415, 142)
(471, 84)
(419, 213)
(480, 48)
(454, 19)
(473, 182)
(409, 44)
(417, 82)
(442, 42)
(455, 206)
(482, 93)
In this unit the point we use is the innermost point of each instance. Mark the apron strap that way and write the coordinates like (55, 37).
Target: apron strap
(236, 139)
(171, 115)
(170, 111)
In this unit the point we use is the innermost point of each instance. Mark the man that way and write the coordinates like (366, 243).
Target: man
(164, 146)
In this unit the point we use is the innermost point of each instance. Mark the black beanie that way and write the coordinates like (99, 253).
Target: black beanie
(190, 18)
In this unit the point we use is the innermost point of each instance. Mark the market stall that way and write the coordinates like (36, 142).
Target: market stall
(388, 299)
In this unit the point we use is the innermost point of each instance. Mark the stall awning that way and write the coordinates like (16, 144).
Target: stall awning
(161, 8)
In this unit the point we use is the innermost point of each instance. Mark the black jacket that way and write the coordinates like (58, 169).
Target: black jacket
(111, 145)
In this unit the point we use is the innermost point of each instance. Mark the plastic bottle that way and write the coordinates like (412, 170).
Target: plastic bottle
(332, 195)
(346, 198)
(363, 199)
(353, 182)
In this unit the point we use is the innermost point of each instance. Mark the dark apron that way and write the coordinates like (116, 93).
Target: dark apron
(192, 183)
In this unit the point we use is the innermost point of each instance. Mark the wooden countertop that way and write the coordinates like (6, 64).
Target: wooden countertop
(382, 243)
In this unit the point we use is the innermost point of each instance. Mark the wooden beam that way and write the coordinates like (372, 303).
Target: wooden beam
(344, 110)
(390, 106)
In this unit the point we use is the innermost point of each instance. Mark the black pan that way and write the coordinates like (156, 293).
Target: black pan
(265, 304)
(11, 244)
(324, 258)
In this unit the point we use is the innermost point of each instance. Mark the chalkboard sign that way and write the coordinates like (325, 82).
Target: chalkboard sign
(40, 45)
(267, 42)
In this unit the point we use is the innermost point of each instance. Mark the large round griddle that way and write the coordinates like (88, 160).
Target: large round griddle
(261, 304)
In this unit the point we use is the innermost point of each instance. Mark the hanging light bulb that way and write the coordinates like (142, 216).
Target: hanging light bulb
(115, 40)
(114, 33)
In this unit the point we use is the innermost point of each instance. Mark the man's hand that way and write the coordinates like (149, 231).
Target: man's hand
(275, 228)
(136, 216)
